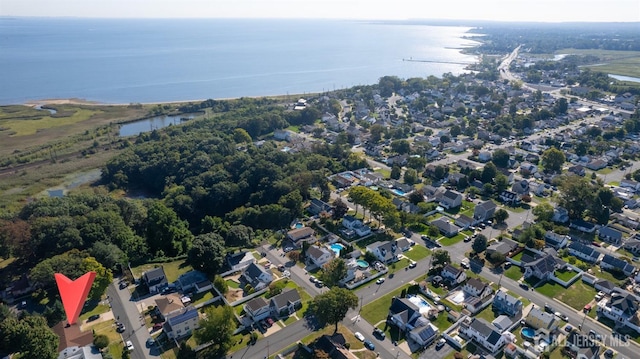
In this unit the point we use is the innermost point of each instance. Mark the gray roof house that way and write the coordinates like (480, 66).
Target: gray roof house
(585, 252)
(451, 199)
(257, 276)
(286, 302)
(610, 235)
(386, 252)
(507, 304)
(555, 240)
(484, 211)
(503, 247)
(447, 228)
(582, 346)
(453, 274)
(483, 333)
(614, 263)
(542, 267)
(155, 279)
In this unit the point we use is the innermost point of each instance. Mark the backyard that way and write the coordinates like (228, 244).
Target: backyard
(173, 270)
(417, 253)
(377, 310)
(446, 241)
(513, 273)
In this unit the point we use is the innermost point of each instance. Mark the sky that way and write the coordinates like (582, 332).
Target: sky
(498, 10)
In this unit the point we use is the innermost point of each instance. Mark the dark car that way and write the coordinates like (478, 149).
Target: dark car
(524, 286)
(379, 333)
(123, 285)
(93, 317)
(369, 345)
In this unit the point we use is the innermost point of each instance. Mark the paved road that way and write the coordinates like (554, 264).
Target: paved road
(126, 310)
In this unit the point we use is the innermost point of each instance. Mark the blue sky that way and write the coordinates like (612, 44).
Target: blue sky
(500, 10)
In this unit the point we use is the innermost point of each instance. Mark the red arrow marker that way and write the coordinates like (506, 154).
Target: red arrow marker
(74, 293)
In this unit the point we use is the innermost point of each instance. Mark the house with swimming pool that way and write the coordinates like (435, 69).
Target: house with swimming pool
(483, 333)
(410, 316)
(319, 255)
(386, 252)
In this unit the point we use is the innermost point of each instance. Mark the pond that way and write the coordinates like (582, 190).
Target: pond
(149, 124)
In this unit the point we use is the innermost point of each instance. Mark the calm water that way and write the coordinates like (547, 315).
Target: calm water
(625, 78)
(123, 61)
(150, 124)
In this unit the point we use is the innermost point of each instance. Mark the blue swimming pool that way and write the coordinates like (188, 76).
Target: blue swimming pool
(299, 225)
(337, 247)
(398, 192)
(422, 304)
(528, 333)
(362, 264)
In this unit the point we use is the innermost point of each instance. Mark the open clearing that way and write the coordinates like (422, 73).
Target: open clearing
(626, 63)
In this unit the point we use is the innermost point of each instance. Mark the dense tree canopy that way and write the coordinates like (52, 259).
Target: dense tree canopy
(217, 329)
(207, 253)
(330, 307)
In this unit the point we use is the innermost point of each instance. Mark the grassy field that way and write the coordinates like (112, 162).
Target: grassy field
(173, 270)
(564, 275)
(115, 341)
(513, 273)
(417, 253)
(578, 295)
(446, 241)
(377, 310)
(551, 289)
(626, 63)
(98, 309)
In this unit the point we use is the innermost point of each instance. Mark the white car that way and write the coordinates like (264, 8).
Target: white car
(380, 281)
(441, 342)
(129, 345)
(359, 336)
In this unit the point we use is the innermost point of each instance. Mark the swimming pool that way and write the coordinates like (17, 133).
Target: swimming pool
(362, 264)
(299, 225)
(398, 192)
(422, 304)
(528, 333)
(337, 247)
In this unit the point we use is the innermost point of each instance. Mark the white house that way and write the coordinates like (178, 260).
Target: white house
(451, 199)
(477, 288)
(407, 317)
(319, 256)
(239, 260)
(356, 225)
(256, 276)
(285, 303)
(622, 309)
(556, 240)
(386, 252)
(507, 304)
(183, 323)
(584, 252)
(483, 333)
(453, 274)
(257, 309)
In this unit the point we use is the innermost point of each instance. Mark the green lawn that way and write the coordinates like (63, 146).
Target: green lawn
(518, 257)
(619, 281)
(564, 275)
(401, 264)
(487, 314)
(577, 295)
(513, 273)
(232, 284)
(550, 289)
(446, 241)
(417, 253)
(173, 270)
(98, 309)
(377, 310)
(442, 322)
(115, 341)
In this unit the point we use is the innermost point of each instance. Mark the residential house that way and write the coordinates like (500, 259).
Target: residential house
(257, 309)
(468, 165)
(71, 337)
(622, 309)
(632, 246)
(182, 323)
(577, 170)
(238, 260)
(633, 185)
(447, 228)
(451, 199)
(195, 281)
(407, 317)
(85, 352)
(155, 279)
(560, 215)
(286, 303)
(356, 225)
(317, 206)
(464, 221)
(509, 197)
(597, 164)
(404, 244)
(521, 188)
(168, 304)
(503, 247)
(582, 346)
(477, 288)
(584, 252)
(504, 303)
(483, 333)
(543, 267)
(541, 320)
(484, 156)
(582, 226)
(484, 211)
(432, 193)
(319, 255)
(299, 235)
(256, 276)
(334, 346)
(555, 240)
(528, 168)
(386, 252)
(510, 175)
(603, 285)
(453, 275)
(610, 235)
(613, 263)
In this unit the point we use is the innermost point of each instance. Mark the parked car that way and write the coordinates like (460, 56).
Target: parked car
(93, 317)
(288, 249)
(413, 264)
(359, 336)
(524, 286)
(157, 326)
(380, 280)
(120, 328)
(151, 342)
(369, 345)
(123, 284)
(379, 333)
(467, 239)
(608, 353)
(129, 345)
(547, 308)
(269, 321)
(441, 343)
(568, 329)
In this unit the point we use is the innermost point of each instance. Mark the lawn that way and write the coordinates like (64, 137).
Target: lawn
(233, 284)
(115, 341)
(518, 257)
(22, 127)
(564, 275)
(446, 241)
(417, 253)
(487, 314)
(514, 273)
(98, 309)
(404, 262)
(550, 289)
(577, 295)
(173, 270)
(442, 322)
(610, 277)
(377, 310)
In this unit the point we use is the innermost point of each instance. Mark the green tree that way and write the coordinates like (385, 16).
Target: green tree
(488, 172)
(207, 253)
(333, 272)
(332, 306)
(220, 284)
(166, 233)
(543, 212)
(395, 172)
(479, 244)
(502, 182)
(441, 258)
(416, 162)
(108, 254)
(339, 208)
(101, 341)
(400, 147)
(240, 135)
(411, 176)
(217, 330)
(501, 215)
(376, 132)
(30, 336)
(500, 158)
(552, 160)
